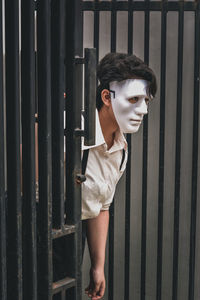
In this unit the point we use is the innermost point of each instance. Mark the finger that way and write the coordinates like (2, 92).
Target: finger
(102, 290)
(96, 298)
(89, 293)
(96, 290)
(89, 288)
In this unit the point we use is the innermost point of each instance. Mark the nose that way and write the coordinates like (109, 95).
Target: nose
(142, 108)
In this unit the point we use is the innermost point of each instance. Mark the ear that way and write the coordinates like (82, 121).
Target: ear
(105, 96)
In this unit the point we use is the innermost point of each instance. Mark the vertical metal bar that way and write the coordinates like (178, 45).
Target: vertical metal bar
(127, 223)
(3, 271)
(90, 95)
(28, 158)
(14, 220)
(73, 110)
(96, 30)
(128, 176)
(63, 295)
(113, 27)
(195, 155)
(161, 150)
(112, 208)
(45, 160)
(111, 253)
(74, 71)
(178, 151)
(144, 172)
(57, 87)
(130, 27)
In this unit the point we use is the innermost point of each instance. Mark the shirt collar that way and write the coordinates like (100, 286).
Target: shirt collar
(99, 138)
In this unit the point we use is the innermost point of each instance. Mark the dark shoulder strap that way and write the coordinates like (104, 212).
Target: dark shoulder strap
(123, 157)
(84, 161)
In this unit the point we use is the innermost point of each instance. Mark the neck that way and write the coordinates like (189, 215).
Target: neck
(109, 126)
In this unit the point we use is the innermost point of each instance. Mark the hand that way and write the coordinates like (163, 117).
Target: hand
(96, 288)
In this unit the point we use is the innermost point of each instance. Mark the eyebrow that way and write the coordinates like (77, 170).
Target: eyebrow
(132, 96)
(140, 96)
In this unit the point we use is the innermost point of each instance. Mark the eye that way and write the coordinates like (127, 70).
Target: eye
(133, 100)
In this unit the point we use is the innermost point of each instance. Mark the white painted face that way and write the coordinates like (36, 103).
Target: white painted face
(129, 103)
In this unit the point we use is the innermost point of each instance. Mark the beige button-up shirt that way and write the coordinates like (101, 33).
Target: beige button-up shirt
(102, 173)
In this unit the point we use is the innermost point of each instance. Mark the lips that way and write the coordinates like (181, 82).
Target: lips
(137, 121)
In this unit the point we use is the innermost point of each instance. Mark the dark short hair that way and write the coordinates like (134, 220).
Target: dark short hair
(122, 66)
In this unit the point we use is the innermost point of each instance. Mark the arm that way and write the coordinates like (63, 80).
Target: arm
(97, 229)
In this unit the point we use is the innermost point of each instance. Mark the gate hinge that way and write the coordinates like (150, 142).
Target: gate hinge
(79, 60)
(77, 132)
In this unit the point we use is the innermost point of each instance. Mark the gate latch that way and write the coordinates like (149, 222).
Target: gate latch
(80, 178)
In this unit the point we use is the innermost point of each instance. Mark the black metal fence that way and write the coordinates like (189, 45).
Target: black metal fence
(43, 44)
(159, 256)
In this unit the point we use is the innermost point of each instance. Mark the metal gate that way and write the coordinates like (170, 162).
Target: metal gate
(40, 77)
(43, 67)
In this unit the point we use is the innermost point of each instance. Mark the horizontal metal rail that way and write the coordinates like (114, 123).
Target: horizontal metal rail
(67, 229)
(63, 284)
(137, 6)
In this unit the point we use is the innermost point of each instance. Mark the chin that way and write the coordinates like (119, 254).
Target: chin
(133, 130)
